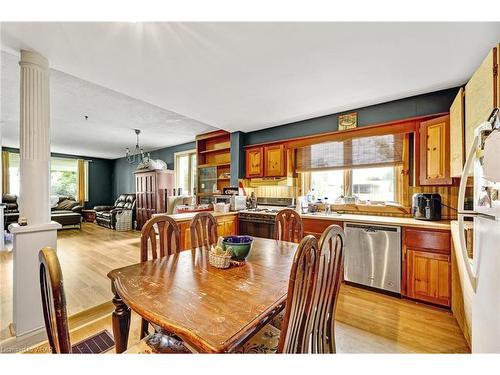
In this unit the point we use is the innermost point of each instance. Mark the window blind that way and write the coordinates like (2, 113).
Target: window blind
(362, 152)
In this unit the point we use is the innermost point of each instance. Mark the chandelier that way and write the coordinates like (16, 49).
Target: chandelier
(138, 155)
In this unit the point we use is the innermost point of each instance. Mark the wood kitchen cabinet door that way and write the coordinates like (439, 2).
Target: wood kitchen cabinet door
(428, 277)
(226, 226)
(435, 152)
(316, 227)
(457, 134)
(274, 161)
(481, 94)
(254, 162)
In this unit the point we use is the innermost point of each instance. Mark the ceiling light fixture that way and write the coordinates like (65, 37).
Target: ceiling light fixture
(138, 155)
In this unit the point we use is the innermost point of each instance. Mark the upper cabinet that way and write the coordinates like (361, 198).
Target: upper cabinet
(254, 162)
(266, 161)
(481, 94)
(274, 161)
(435, 151)
(457, 128)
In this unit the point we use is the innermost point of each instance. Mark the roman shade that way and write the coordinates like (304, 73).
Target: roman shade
(361, 152)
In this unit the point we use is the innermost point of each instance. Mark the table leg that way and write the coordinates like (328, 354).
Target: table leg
(121, 323)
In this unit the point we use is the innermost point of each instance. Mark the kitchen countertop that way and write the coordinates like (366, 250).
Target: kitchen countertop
(188, 216)
(383, 220)
(354, 218)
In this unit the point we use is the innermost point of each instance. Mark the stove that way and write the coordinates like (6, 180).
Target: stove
(259, 222)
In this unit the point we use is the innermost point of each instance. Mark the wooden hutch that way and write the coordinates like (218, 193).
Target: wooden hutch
(152, 188)
(213, 153)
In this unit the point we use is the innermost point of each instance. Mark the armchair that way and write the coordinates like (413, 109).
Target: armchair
(106, 216)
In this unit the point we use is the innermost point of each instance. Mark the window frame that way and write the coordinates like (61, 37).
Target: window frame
(402, 183)
(192, 182)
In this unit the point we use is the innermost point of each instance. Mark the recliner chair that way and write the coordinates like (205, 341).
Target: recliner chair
(106, 215)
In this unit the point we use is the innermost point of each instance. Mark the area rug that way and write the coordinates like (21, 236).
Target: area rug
(97, 344)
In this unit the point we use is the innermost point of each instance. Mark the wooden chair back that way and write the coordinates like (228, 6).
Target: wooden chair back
(313, 287)
(288, 226)
(203, 230)
(54, 301)
(168, 234)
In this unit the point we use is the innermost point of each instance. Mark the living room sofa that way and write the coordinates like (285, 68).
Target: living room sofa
(106, 215)
(67, 211)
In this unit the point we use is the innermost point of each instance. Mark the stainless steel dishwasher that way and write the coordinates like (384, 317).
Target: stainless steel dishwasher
(373, 256)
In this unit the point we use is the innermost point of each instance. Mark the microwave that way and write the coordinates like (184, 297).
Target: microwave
(238, 202)
(222, 199)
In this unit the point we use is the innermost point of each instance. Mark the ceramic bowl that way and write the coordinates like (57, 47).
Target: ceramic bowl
(240, 245)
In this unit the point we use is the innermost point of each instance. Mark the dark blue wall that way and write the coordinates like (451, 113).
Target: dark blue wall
(123, 176)
(100, 177)
(420, 105)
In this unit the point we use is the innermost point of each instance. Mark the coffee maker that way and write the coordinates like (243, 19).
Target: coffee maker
(426, 206)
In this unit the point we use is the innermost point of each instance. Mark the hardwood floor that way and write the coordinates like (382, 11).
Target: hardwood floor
(366, 322)
(86, 256)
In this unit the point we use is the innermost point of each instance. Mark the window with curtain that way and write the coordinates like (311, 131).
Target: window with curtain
(364, 167)
(64, 176)
(185, 171)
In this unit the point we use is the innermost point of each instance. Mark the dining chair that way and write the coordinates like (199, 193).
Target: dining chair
(54, 308)
(169, 243)
(313, 289)
(203, 230)
(168, 234)
(288, 226)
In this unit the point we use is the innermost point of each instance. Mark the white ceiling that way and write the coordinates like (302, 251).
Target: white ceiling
(111, 117)
(246, 76)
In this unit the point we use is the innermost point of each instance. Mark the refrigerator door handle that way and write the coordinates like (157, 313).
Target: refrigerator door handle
(469, 163)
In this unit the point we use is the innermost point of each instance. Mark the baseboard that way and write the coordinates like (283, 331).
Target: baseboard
(23, 343)
(37, 338)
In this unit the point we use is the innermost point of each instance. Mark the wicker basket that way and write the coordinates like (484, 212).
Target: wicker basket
(124, 220)
(219, 261)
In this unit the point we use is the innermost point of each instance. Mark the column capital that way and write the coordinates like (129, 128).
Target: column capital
(33, 59)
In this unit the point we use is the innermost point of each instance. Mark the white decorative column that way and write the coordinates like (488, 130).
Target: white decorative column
(34, 194)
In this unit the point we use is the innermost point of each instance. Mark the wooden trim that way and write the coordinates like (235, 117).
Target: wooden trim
(495, 77)
(213, 134)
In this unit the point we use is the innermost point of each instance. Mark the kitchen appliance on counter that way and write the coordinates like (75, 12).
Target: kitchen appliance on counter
(373, 256)
(482, 271)
(426, 206)
(238, 202)
(222, 199)
(259, 221)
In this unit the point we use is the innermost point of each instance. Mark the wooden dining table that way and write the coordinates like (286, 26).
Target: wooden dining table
(212, 310)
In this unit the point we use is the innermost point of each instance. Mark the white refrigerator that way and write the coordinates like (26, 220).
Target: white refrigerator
(483, 270)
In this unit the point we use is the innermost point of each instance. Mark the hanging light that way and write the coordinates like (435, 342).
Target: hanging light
(138, 155)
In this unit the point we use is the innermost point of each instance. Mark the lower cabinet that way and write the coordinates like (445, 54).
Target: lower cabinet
(226, 226)
(427, 266)
(429, 277)
(316, 227)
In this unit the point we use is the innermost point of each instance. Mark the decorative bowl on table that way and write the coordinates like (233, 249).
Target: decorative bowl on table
(240, 246)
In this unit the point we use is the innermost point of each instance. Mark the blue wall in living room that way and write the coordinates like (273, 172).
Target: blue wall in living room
(100, 177)
(123, 176)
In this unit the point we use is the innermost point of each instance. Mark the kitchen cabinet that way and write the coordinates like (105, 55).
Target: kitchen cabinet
(226, 226)
(435, 151)
(481, 94)
(427, 266)
(316, 227)
(457, 134)
(274, 161)
(254, 162)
